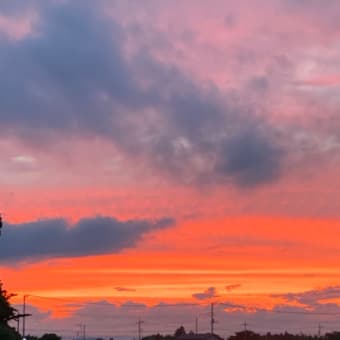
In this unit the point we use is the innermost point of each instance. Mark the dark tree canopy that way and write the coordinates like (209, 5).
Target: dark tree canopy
(333, 336)
(7, 312)
(50, 336)
(8, 333)
(180, 331)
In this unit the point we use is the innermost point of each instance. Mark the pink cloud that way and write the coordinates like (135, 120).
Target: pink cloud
(18, 27)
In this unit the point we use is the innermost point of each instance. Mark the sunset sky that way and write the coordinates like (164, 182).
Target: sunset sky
(158, 156)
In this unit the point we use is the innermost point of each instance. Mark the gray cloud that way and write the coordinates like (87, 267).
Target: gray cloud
(207, 294)
(90, 236)
(71, 76)
(314, 298)
(250, 158)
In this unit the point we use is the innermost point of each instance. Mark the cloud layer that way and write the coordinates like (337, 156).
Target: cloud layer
(57, 238)
(107, 319)
(76, 78)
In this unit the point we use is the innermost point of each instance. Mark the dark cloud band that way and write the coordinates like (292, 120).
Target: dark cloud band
(57, 238)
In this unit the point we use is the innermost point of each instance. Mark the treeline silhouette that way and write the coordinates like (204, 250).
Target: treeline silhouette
(250, 335)
(48, 336)
(180, 334)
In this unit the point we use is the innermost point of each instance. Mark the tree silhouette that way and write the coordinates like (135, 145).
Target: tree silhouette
(7, 313)
(50, 336)
(31, 337)
(180, 331)
(333, 336)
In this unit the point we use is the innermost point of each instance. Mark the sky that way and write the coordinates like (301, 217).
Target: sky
(160, 156)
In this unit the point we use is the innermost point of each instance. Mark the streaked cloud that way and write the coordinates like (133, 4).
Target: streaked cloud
(316, 298)
(124, 289)
(232, 287)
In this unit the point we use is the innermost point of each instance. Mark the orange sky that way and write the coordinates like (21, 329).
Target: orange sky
(181, 261)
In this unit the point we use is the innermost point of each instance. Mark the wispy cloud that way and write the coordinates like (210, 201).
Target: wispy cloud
(124, 289)
(232, 287)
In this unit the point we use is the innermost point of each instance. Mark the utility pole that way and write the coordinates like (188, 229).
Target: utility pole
(245, 330)
(24, 316)
(139, 325)
(82, 332)
(196, 325)
(212, 320)
(319, 330)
